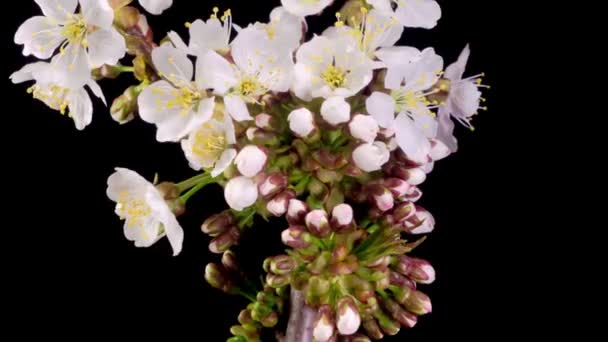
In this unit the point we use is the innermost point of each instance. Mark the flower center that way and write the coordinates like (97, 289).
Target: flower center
(334, 76)
(74, 30)
(186, 98)
(209, 143)
(404, 100)
(53, 96)
(248, 87)
(134, 210)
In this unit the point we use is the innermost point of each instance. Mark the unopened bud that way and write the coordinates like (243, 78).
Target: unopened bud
(418, 270)
(373, 329)
(418, 303)
(381, 197)
(421, 223)
(342, 217)
(124, 107)
(296, 212)
(407, 319)
(217, 277)
(280, 203)
(295, 237)
(413, 194)
(272, 184)
(324, 326)
(276, 281)
(223, 242)
(217, 224)
(348, 318)
(317, 223)
(397, 186)
(282, 264)
(404, 211)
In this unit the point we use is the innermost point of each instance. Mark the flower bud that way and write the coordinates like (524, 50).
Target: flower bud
(296, 212)
(364, 127)
(418, 303)
(124, 107)
(282, 264)
(335, 110)
(245, 317)
(262, 137)
(264, 121)
(270, 320)
(348, 318)
(279, 204)
(387, 324)
(342, 217)
(371, 157)
(276, 281)
(381, 197)
(413, 194)
(401, 281)
(274, 183)
(251, 160)
(324, 326)
(418, 270)
(372, 329)
(223, 242)
(317, 223)
(217, 277)
(397, 186)
(407, 319)
(421, 223)
(403, 211)
(240, 193)
(126, 17)
(301, 122)
(229, 261)
(294, 237)
(217, 224)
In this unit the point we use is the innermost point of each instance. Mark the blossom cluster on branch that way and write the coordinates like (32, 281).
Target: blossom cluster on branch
(332, 131)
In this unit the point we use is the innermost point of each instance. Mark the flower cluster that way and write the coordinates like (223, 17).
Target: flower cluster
(333, 131)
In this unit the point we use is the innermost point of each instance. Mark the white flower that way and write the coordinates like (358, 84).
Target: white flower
(302, 8)
(364, 127)
(251, 160)
(77, 101)
(86, 40)
(213, 34)
(301, 122)
(177, 105)
(327, 67)
(156, 6)
(147, 216)
(257, 69)
(410, 74)
(209, 146)
(335, 110)
(411, 13)
(462, 101)
(377, 31)
(241, 192)
(371, 157)
(284, 31)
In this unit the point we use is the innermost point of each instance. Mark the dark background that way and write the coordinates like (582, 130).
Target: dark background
(71, 273)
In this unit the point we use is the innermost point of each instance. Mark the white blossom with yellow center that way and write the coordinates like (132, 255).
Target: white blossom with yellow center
(376, 31)
(463, 99)
(410, 13)
(76, 103)
(85, 40)
(209, 146)
(327, 67)
(302, 8)
(147, 216)
(406, 110)
(258, 69)
(176, 104)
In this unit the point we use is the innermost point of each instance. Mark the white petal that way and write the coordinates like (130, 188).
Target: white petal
(224, 162)
(237, 108)
(364, 127)
(39, 37)
(240, 193)
(464, 99)
(381, 107)
(81, 108)
(178, 42)
(28, 72)
(419, 13)
(96, 89)
(250, 161)
(455, 71)
(71, 67)
(335, 110)
(209, 35)
(301, 122)
(155, 6)
(173, 64)
(106, 47)
(445, 132)
(125, 180)
(215, 72)
(163, 214)
(397, 60)
(302, 8)
(57, 9)
(371, 157)
(411, 140)
(98, 13)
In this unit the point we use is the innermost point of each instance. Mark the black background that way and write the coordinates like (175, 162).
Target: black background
(72, 274)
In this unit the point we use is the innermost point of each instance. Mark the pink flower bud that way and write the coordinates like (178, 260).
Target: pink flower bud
(348, 317)
(421, 223)
(251, 160)
(404, 211)
(272, 184)
(342, 216)
(397, 186)
(413, 194)
(381, 197)
(418, 270)
(317, 223)
(263, 121)
(279, 204)
(294, 237)
(296, 212)
(301, 122)
(324, 326)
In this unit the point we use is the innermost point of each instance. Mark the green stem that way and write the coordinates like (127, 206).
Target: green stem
(189, 183)
(123, 68)
(185, 197)
(249, 296)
